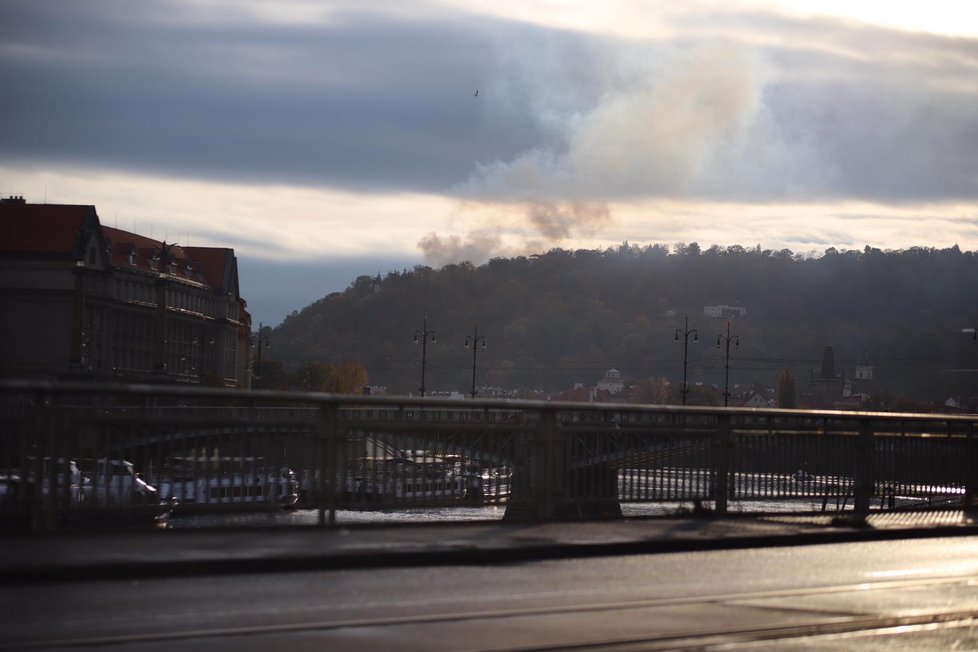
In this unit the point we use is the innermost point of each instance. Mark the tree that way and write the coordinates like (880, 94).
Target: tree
(273, 375)
(786, 391)
(346, 378)
(311, 376)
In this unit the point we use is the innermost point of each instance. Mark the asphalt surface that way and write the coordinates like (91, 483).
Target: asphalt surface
(126, 555)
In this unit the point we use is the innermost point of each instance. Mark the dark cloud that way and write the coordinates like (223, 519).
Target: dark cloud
(359, 103)
(745, 106)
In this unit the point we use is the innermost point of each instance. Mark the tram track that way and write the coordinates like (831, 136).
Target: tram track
(822, 622)
(724, 639)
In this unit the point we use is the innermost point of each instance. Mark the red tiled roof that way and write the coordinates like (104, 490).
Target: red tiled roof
(120, 238)
(49, 229)
(216, 262)
(42, 228)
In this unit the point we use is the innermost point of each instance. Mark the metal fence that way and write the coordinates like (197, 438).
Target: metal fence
(86, 453)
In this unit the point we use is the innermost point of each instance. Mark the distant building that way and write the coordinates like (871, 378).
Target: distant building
(450, 395)
(827, 385)
(79, 300)
(581, 394)
(757, 400)
(724, 311)
(611, 382)
(861, 384)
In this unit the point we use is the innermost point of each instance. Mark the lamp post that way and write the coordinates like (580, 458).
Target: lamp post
(262, 342)
(474, 340)
(726, 375)
(422, 336)
(686, 332)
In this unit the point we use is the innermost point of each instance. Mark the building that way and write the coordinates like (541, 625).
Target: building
(724, 311)
(80, 300)
(611, 382)
(827, 385)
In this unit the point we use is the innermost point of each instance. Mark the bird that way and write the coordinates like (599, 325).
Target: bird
(477, 92)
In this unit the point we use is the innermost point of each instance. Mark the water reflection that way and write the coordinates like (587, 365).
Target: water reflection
(310, 517)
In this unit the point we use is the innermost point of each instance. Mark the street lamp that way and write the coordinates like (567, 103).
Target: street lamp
(474, 340)
(423, 336)
(726, 377)
(262, 343)
(686, 332)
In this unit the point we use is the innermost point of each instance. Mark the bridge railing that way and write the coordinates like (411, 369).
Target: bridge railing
(80, 451)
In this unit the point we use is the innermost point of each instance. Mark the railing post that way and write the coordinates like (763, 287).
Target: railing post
(548, 455)
(538, 480)
(721, 470)
(328, 463)
(971, 471)
(865, 469)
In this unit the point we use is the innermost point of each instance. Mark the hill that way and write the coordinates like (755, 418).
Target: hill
(567, 317)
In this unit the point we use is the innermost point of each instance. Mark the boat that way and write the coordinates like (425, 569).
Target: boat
(114, 483)
(225, 483)
(82, 491)
(424, 480)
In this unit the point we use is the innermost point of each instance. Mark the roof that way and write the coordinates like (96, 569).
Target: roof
(43, 228)
(218, 266)
(61, 230)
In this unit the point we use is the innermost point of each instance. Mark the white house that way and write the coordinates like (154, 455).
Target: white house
(719, 311)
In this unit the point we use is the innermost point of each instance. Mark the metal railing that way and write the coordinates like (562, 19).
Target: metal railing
(140, 452)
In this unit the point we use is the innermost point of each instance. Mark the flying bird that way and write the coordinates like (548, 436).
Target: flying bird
(477, 92)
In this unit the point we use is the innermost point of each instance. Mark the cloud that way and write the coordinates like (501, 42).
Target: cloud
(531, 227)
(345, 128)
(698, 101)
(362, 101)
(651, 135)
(476, 247)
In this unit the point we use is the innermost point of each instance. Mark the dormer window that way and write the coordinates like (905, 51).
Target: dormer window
(131, 255)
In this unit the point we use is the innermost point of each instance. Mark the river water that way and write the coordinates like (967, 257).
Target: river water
(306, 517)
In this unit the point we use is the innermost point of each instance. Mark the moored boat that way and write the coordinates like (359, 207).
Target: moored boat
(227, 483)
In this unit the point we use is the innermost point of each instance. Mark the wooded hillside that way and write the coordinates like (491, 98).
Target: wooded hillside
(567, 317)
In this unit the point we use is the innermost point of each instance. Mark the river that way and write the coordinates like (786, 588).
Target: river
(307, 517)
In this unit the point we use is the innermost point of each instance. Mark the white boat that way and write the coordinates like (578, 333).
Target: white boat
(400, 487)
(209, 483)
(60, 490)
(425, 480)
(114, 483)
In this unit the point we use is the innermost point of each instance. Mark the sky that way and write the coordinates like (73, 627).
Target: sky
(323, 140)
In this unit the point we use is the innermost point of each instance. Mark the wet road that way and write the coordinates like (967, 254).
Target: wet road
(893, 595)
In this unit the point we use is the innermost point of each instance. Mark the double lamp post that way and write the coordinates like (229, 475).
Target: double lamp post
(686, 332)
(423, 336)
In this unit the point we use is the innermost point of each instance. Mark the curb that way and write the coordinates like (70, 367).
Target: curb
(129, 569)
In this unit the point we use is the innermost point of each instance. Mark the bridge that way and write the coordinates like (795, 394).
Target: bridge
(78, 450)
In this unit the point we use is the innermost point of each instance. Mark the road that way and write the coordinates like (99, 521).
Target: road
(917, 594)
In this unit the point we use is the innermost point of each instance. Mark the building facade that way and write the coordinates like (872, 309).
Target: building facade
(80, 300)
